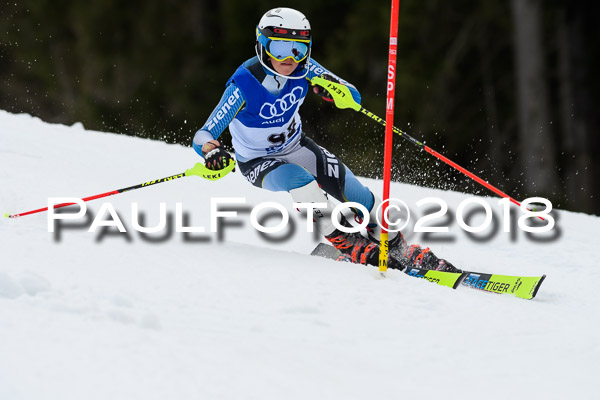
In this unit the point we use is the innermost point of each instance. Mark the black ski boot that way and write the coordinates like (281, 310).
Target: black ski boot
(397, 246)
(361, 250)
(415, 256)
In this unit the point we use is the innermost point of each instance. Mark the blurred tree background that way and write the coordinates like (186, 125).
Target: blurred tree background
(504, 88)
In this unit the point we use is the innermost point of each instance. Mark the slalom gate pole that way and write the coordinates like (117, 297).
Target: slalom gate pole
(389, 134)
(199, 169)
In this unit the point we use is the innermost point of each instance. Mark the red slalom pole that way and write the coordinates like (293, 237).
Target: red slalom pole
(389, 134)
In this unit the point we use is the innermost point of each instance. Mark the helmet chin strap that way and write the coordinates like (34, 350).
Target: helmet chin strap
(272, 70)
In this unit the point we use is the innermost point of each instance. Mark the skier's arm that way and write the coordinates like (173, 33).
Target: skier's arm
(231, 102)
(317, 69)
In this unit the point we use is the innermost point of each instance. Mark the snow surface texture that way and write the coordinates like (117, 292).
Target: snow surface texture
(116, 316)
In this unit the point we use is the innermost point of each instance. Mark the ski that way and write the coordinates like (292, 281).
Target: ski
(524, 287)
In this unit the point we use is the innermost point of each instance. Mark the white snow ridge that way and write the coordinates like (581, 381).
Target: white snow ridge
(230, 315)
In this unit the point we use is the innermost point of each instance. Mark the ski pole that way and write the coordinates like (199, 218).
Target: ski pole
(343, 99)
(199, 169)
(441, 157)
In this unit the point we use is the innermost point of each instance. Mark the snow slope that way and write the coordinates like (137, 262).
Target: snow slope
(97, 316)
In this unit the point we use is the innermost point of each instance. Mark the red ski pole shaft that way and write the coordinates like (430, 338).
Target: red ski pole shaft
(343, 99)
(98, 196)
(441, 157)
(199, 170)
(469, 174)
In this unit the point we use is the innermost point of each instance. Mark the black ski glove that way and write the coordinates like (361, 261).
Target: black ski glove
(215, 157)
(322, 91)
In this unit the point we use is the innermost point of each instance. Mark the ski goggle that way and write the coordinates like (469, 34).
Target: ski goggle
(282, 49)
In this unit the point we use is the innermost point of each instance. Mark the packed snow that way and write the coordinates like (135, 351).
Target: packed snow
(232, 315)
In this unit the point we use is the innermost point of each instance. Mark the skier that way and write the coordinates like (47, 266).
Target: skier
(260, 105)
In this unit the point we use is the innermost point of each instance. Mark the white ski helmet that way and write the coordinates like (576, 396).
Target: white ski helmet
(284, 33)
